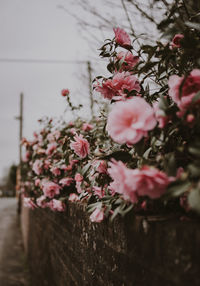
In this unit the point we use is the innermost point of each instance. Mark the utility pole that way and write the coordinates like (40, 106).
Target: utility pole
(20, 118)
(18, 184)
(90, 89)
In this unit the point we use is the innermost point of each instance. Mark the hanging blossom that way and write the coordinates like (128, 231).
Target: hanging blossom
(80, 146)
(133, 183)
(118, 85)
(129, 60)
(129, 121)
(121, 37)
(176, 41)
(182, 90)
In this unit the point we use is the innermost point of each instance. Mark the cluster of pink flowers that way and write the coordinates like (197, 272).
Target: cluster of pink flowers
(117, 86)
(183, 89)
(76, 163)
(133, 183)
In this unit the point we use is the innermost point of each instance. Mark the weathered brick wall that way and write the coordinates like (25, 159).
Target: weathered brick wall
(67, 249)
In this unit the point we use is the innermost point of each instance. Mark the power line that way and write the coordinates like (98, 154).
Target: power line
(42, 61)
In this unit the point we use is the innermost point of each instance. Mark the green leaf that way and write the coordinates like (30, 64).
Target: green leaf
(194, 151)
(194, 199)
(196, 97)
(177, 188)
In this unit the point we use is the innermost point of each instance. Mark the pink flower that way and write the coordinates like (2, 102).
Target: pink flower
(66, 181)
(27, 156)
(129, 60)
(148, 181)
(37, 167)
(176, 41)
(132, 183)
(50, 189)
(28, 202)
(55, 135)
(37, 182)
(98, 192)
(78, 187)
(80, 146)
(57, 206)
(73, 197)
(55, 171)
(116, 87)
(78, 177)
(65, 92)
(47, 164)
(119, 173)
(87, 127)
(97, 215)
(160, 115)
(106, 89)
(101, 166)
(41, 202)
(188, 87)
(121, 37)
(129, 121)
(50, 148)
(190, 118)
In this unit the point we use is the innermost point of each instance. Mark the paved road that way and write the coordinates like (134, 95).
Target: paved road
(13, 269)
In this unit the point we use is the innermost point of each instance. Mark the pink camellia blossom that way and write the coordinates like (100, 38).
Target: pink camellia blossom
(78, 187)
(73, 197)
(50, 189)
(129, 59)
(87, 127)
(118, 85)
(105, 88)
(176, 41)
(47, 164)
(119, 173)
(41, 201)
(98, 192)
(66, 181)
(28, 202)
(160, 115)
(101, 166)
(73, 131)
(190, 118)
(73, 162)
(97, 215)
(55, 135)
(26, 156)
(182, 90)
(133, 183)
(55, 171)
(121, 37)
(78, 177)
(57, 206)
(148, 181)
(80, 146)
(37, 167)
(37, 182)
(50, 148)
(129, 121)
(65, 92)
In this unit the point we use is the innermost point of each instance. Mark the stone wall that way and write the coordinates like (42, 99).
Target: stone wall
(67, 249)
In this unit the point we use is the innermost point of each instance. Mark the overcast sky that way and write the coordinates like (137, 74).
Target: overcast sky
(36, 30)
